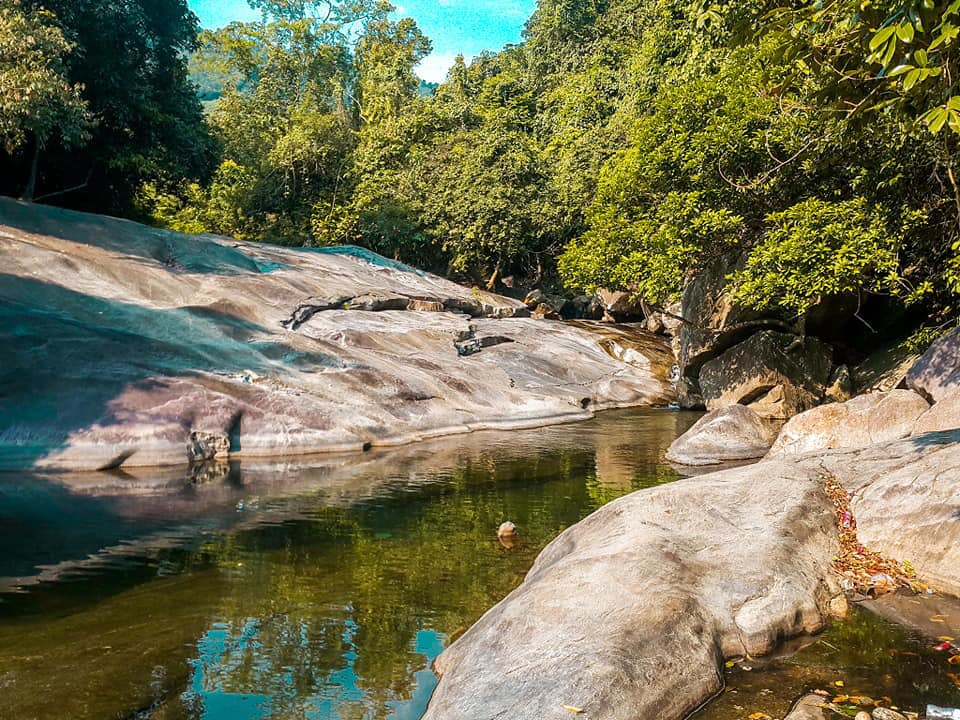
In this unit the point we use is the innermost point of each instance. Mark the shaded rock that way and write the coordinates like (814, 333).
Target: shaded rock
(858, 423)
(840, 388)
(809, 707)
(425, 305)
(620, 305)
(944, 415)
(207, 446)
(714, 322)
(780, 375)
(884, 370)
(118, 340)
(377, 303)
(584, 307)
(937, 373)
(727, 434)
(630, 613)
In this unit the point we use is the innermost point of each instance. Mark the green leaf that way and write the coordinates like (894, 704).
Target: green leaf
(899, 70)
(935, 119)
(912, 77)
(905, 31)
(920, 57)
(881, 36)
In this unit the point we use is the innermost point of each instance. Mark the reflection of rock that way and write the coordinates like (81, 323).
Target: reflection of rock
(779, 375)
(857, 423)
(148, 342)
(728, 434)
(937, 373)
(682, 576)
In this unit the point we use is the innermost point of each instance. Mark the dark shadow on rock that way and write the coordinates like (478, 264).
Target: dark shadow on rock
(65, 355)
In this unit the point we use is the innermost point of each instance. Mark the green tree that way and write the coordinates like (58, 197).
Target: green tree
(37, 101)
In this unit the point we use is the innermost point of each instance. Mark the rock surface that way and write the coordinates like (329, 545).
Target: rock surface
(945, 415)
(937, 373)
(858, 423)
(809, 707)
(123, 345)
(906, 499)
(629, 613)
(729, 434)
(780, 375)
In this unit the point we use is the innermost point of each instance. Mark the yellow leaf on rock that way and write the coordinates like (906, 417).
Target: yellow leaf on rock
(839, 683)
(572, 709)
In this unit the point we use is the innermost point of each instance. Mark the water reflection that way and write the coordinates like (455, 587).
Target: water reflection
(316, 588)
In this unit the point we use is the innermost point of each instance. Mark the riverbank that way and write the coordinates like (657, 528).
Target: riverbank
(127, 346)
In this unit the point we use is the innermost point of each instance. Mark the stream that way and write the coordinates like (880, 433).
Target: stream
(325, 587)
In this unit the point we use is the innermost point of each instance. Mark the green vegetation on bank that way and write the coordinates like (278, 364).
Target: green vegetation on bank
(623, 144)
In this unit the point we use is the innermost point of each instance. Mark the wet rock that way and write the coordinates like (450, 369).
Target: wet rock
(506, 529)
(630, 613)
(728, 434)
(937, 373)
(882, 713)
(810, 707)
(858, 423)
(134, 352)
(778, 374)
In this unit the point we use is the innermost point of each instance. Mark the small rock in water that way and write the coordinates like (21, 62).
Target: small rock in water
(507, 529)
(882, 713)
(862, 716)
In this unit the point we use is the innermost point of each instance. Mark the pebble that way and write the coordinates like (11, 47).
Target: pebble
(863, 716)
(882, 713)
(507, 529)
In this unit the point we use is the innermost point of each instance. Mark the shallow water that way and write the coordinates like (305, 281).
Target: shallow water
(323, 588)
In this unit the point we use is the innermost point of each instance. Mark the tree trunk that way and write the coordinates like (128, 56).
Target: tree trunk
(31, 188)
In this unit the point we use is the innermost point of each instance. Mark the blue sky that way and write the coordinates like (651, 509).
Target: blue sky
(454, 26)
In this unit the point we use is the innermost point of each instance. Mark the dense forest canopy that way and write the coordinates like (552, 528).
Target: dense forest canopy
(622, 145)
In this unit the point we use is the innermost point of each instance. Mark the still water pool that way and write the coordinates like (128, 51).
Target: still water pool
(315, 588)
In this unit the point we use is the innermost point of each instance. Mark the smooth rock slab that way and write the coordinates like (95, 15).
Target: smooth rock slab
(857, 423)
(123, 346)
(630, 613)
(729, 434)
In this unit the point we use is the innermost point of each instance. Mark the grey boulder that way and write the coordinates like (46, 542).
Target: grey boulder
(728, 434)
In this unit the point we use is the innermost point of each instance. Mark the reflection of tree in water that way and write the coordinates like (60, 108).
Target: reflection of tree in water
(339, 600)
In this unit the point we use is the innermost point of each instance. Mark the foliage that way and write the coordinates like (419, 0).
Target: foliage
(129, 60)
(817, 249)
(36, 98)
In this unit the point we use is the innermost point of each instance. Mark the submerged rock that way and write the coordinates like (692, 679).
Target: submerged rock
(728, 434)
(858, 423)
(124, 345)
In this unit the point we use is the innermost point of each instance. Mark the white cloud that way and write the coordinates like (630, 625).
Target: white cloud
(435, 66)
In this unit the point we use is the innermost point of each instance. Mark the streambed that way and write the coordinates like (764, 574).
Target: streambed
(325, 588)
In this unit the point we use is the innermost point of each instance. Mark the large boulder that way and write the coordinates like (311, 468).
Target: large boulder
(857, 423)
(728, 434)
(123, 345)
(681, 576)
(630, 613)
(944, 415)
(779, 375)
(937, 373)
